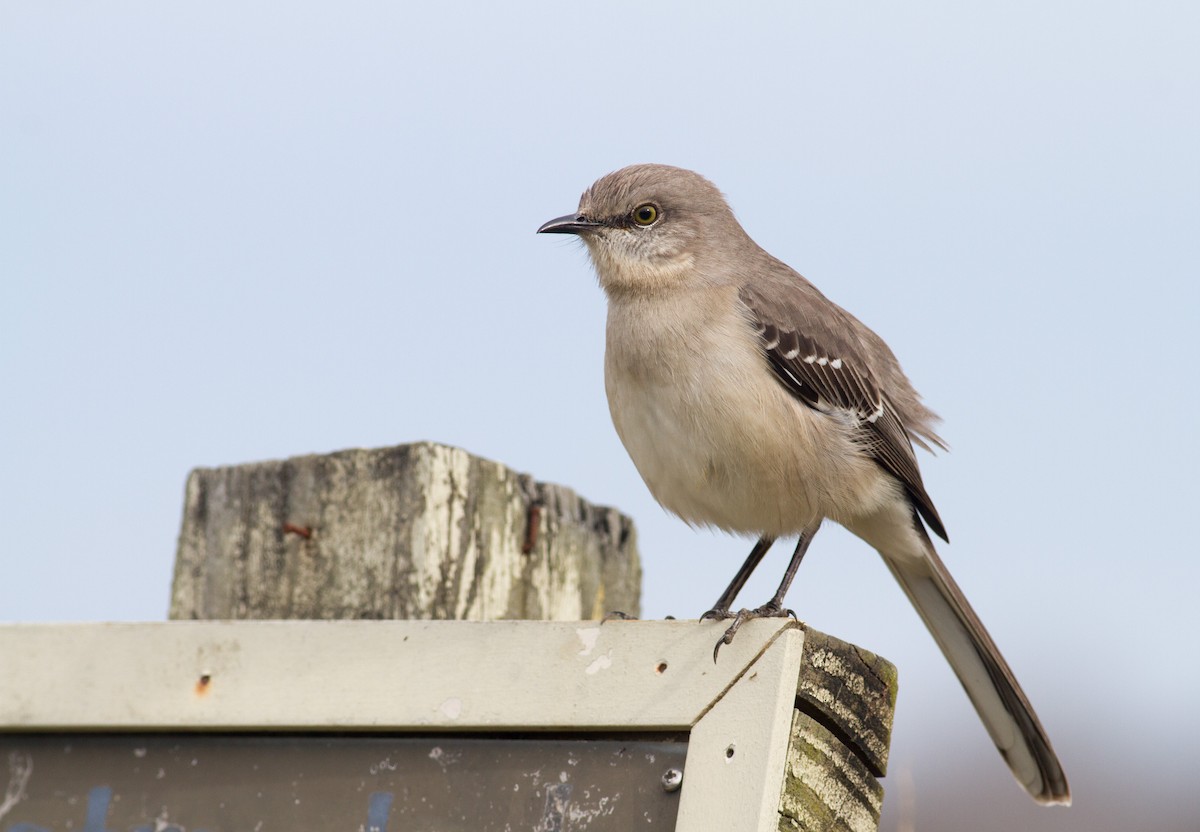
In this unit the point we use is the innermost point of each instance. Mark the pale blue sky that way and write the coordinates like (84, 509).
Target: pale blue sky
(231, 233)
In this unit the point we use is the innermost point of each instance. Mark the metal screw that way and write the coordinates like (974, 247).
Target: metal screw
(672, 779)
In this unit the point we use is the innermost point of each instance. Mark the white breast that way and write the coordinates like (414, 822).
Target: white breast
(717, 440)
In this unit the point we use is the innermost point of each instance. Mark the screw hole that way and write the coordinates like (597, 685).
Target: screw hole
(729, 752)
(202, 683)
(660, 668)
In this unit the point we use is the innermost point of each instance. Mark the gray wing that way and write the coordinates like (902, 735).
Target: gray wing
(827, 370)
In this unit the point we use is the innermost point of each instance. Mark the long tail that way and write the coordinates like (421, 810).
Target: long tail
(989, 682)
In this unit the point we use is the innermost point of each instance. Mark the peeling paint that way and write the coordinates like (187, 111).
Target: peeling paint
(20, 768)
(587, 637)
(601, 663)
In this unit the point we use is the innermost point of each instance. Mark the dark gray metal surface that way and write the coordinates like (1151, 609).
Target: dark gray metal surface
(248, 783)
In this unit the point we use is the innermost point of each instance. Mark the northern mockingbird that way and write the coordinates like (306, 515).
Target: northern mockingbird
(750, 402)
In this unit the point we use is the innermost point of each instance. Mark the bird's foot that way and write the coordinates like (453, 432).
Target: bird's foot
(717, 614)
(617, 615)
(771, 609)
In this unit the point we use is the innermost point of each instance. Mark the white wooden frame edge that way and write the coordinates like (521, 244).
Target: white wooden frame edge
(398, 676)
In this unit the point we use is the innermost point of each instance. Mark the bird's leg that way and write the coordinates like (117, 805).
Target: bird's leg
(775, 605)
(773, 608)
(720, 610)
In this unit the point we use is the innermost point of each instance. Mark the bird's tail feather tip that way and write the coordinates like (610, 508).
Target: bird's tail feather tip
(1053, 799)
(1054, 793)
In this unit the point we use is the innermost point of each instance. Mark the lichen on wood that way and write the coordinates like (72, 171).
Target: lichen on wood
(841, 732)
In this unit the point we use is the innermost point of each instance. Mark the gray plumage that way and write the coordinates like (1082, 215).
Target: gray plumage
(750, 402)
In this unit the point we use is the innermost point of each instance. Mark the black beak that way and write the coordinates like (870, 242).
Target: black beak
(570, 224)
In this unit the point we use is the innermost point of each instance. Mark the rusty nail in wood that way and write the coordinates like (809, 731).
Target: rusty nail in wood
(532, 527)
(303, 531)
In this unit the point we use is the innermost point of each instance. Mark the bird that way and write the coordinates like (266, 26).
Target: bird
(750, 402)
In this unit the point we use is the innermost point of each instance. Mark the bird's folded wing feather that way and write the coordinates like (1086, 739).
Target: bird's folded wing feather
(816, 355)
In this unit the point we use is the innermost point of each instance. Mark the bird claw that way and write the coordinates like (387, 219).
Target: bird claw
(617, 615)
(716, 614)
(768, 610)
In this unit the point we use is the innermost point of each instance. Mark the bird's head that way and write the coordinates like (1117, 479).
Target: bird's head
(651, 227)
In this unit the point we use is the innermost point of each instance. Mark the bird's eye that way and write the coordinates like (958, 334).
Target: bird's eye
(645, 214)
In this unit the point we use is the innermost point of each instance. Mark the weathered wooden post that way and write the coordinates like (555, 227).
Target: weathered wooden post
(415, 531)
